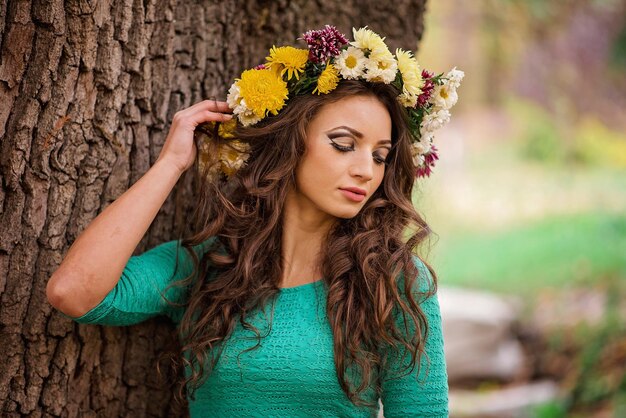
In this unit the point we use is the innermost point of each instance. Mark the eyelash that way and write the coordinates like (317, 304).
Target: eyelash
(342, 148)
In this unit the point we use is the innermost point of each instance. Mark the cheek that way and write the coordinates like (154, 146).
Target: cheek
(319, 167)
(378, 179)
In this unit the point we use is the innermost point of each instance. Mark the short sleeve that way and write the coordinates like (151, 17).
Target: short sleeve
(137, 295)
(407, 394)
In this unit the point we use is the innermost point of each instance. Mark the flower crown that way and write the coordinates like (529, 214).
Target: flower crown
(265, 89)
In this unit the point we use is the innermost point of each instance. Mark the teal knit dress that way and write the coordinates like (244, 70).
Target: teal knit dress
(292, 373)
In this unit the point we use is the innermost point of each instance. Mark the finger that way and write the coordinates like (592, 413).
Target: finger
(197, 112)
(208, 105)
(220, 117)
(208, 116)
(217, 106)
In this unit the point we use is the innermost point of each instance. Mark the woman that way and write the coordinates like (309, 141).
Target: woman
(299, 295)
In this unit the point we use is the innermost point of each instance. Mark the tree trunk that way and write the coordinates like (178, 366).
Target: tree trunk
(87, 93)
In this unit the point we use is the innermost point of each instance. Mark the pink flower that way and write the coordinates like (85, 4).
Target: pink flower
(260, 67)
(427, 90)
(429, 162)
(324, 43)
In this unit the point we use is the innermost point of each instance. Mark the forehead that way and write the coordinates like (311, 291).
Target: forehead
(366, 114)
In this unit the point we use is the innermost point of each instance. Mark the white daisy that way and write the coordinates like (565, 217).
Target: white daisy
(351, 63)
(381, 66)
(444, 96)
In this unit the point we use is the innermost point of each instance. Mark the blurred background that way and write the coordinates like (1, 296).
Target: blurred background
(528, 205)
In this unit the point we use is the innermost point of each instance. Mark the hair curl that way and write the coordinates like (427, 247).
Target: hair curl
(361, 261)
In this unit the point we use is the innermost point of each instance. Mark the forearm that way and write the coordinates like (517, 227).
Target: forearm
(96, 260)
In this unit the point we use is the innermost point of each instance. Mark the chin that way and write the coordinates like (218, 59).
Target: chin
(345, 213)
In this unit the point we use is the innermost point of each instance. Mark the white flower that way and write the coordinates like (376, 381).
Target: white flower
(366, 39)
(381, 66)
(427, 139)
(444, 96)
(246, 116)
(418, 158)
(435, 120)
(422, 147)
(351, 63)
(454, 77)
(234, 96)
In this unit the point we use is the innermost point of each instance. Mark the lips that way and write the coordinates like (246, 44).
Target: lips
(354, 194)
(355, 190)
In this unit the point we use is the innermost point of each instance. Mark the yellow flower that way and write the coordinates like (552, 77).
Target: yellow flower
(233, 156)
(407, 100)
(411, 72)
(261, 92)
(288, 59)
(328, 80)
(226, 129)
(366, 39)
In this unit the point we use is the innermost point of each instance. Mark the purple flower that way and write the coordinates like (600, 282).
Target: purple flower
(427, 89)
(324, 43)
(429, 162)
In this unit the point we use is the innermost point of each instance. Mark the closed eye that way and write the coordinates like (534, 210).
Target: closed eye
(378, 159)
(342, 148)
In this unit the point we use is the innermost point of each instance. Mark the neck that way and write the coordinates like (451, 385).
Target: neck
(304, 229)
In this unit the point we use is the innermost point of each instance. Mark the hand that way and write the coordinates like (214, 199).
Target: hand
(179, 148)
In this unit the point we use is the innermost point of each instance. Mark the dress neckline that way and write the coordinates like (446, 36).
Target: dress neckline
(314, 284)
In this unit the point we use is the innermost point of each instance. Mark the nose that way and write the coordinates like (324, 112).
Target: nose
(362, 166)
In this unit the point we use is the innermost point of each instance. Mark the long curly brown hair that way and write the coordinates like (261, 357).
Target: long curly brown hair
(362, 257)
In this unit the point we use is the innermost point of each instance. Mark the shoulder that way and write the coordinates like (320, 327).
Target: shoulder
(424, 281)
(203, 247)
(169, 261)
(174, 249)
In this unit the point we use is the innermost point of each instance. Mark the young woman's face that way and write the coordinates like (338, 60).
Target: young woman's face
(347, 143)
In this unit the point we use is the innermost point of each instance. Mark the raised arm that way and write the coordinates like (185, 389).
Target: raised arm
(96, 260)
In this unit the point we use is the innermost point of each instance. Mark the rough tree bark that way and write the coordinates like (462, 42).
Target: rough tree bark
(87, 91)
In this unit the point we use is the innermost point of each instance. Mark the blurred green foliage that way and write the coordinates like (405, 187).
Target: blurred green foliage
(599, 372)
(536, 201)
(618, 51)
(538, 134)
(555, 409)
(552, 252)
(596, 379)
(541, 138)
(596, 144)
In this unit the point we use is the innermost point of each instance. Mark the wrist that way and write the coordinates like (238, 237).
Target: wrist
(169, 166)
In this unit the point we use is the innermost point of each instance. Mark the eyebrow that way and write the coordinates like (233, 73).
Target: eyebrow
(358, 134)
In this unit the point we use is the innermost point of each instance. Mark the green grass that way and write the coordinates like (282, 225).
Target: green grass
(553, 252)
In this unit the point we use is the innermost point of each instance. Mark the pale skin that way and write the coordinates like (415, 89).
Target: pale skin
(361, 125)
